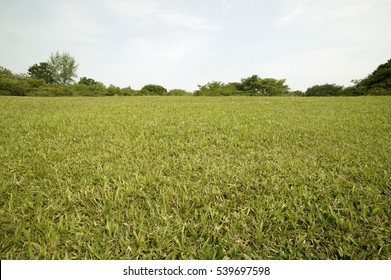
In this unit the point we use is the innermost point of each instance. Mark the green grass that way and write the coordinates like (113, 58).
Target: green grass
(195, 178)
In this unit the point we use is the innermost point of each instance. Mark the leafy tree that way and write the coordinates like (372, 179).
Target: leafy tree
(128, 91)
(216, 88)
(113, 90)
(255, 85)
(42, 71)
(210, 89)
(87, 81)
(324, 90)
(380, 78)
(354, 91)
(4, 72)
(152, 89)
(63, 67)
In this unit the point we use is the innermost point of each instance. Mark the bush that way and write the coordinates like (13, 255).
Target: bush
(10, 86)
(87, 81)
(379, 91)
(216, 89)
(53, 90)
(113, 90)
(179, 92)
(128, 91)
(153, 90)
(354, 91)
(96, 89)
(18, 85)
(296, 93)
(324, 90)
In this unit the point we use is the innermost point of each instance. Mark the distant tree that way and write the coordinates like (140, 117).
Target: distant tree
(354, 91)
(380, 78)
(128, 91)
(97, 89)
(216, 88)
(4, 72)
(87, 81)
(324, 90)
(152, 89)
(210, 89)
(42, 71)
(113, 90)
(255, 85)
(63, 67)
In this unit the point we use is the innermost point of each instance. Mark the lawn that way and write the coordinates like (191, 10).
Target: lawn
(195, 178)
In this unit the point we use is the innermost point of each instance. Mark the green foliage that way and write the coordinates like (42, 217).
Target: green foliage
(195, 178)
(128, 91)
(264, 87)
(11, 86)
(42, 71)
(152, 89)
(113, 90)
(379, 91)
(354, 91)
(63, 67)
(216, 89)
(250, 86)
(53, 90)
(297, 93)
(179, 92)
(94, 89)
(18, 85)
(87, 81)
(5, 73)
(379, 79)
(324, 90)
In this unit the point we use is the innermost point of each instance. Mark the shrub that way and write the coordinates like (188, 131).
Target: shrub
(179, 92)
(324, 90)
(128, 91)
(152, 89)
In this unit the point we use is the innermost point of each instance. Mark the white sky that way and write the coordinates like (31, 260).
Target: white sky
(183, 43)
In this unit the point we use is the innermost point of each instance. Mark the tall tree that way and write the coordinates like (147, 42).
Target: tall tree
(42, 71)
(64, 67)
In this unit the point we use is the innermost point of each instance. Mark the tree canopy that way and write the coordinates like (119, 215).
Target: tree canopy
(154, 90)
(255, 85)
(380, 78)
(56, 77)
(42, 71)
(63, 67)
(4, 72)
(87, 81)
(324, 90)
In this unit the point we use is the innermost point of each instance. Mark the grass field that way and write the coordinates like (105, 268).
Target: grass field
(195, 178)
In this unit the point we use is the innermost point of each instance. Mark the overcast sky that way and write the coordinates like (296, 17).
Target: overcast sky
(183, 43)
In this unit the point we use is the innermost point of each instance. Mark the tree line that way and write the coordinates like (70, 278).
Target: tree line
(56, 77)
